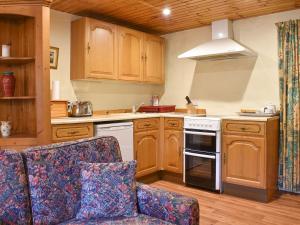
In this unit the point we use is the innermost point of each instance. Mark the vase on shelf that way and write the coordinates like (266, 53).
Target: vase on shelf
(5, 128)
(8, 81)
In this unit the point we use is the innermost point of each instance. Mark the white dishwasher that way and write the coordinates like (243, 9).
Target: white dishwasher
(124, 134)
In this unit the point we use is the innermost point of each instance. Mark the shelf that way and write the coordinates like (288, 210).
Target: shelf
(18, 98)
(16, 60)
(17, 136)
(15, 140)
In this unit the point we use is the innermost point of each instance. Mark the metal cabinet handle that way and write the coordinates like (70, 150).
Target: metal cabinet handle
(73, 132)
(88, 48)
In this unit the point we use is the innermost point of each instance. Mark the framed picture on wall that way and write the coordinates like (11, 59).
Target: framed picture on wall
(54, 52)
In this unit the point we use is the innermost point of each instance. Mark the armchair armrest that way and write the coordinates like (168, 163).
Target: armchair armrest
(168, 206)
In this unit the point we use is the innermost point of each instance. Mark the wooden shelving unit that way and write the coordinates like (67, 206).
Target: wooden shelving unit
(26, 28)
(18, 98)
(16, 60)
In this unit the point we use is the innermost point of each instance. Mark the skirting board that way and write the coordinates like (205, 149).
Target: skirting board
(256, 194)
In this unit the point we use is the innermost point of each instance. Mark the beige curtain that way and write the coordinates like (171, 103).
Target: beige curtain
(289, 67)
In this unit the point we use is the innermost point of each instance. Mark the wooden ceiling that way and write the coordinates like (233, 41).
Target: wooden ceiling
(186, 14)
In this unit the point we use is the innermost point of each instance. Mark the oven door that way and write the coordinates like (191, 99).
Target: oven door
(203, 141)
(201, 170)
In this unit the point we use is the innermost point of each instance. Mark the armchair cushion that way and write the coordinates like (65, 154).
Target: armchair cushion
(141, 219)
(108, 190)
(14, 196)
(168, 206)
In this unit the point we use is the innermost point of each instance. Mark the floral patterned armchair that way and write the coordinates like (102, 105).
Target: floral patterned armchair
(52, 178)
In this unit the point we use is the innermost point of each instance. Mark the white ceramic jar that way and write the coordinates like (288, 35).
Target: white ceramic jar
(5, 128)
(6, 50)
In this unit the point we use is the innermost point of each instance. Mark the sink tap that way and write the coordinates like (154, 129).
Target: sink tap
(136, 109)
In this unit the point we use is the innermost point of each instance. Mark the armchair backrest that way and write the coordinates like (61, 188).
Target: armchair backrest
(54, 175)
(14, 197)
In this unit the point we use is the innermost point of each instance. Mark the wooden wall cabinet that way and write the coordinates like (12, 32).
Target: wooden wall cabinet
(26, 28)
(101, 50)
(250, 158)
(154, 48)
(130, 46)
(146, 145)
(93, 49)
(173, 145)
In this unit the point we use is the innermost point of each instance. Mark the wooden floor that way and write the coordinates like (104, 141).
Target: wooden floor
(228, 210)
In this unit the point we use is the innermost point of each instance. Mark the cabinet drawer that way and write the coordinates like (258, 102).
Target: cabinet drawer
(244, 127)
(71, 131)
(173, 123)
(146, 124)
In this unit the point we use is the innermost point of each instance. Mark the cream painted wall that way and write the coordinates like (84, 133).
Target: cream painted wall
(60, 36)
(103, 94)
(223, 87)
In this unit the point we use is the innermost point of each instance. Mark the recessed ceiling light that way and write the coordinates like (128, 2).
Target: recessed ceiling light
(166, 11)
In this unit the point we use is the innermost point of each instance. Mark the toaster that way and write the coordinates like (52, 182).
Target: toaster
(79, 109)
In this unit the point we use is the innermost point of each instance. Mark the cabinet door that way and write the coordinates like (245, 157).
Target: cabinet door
(146, 145)
(173, 151)
(130, 54)
(101, 50)
(154, 59)
(244, 161)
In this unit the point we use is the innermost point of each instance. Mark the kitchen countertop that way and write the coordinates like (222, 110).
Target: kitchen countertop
(132, 116)
(249, 118)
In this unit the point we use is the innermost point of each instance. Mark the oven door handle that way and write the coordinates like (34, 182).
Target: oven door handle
(201, 155)
(200, 133)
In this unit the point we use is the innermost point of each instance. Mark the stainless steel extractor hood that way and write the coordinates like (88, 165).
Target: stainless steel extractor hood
(221, 47)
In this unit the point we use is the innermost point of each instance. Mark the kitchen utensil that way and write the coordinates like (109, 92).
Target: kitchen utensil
(191, 109)
(80, 109)
(5, 128)
(155, 100)
(270, 108)
(187, 98)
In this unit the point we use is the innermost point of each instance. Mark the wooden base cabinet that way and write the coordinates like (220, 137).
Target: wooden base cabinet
(244, 161)
(173, 145)
(146, 145)
(250, 158)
